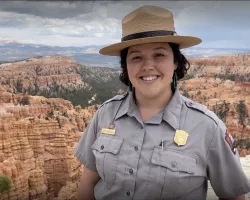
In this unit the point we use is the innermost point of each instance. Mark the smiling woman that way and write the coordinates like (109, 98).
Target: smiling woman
(167, 62)
(152, 142)
(153, 70)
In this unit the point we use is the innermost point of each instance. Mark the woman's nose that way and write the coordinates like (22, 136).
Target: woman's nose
(148, 64)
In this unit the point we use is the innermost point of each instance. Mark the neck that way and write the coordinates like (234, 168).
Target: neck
(156, 103)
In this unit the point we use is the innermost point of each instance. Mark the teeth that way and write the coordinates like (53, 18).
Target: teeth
(149, 78)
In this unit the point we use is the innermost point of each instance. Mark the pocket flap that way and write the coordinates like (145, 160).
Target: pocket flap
(173, 160)
(105, 144)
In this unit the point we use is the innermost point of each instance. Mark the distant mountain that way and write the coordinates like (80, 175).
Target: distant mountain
(15, 51)
(195, 52)
(11, 50)
(7, 40)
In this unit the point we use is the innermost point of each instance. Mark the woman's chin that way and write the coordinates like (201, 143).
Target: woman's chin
(150, 94)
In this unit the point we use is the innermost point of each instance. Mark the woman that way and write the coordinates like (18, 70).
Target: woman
(152, 142)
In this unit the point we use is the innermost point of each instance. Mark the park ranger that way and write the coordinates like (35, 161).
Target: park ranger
(151, 142)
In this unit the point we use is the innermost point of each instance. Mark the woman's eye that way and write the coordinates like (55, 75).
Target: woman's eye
(159, 55)
(136, 58)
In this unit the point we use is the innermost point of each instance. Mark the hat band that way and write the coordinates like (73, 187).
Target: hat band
(147, 34)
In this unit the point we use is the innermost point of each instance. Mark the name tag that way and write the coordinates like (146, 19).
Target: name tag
(108, 131)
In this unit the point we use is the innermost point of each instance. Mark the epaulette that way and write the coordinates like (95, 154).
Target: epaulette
(201, 108)
(115, 98)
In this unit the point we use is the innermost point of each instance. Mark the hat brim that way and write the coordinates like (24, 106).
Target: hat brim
(183, 41)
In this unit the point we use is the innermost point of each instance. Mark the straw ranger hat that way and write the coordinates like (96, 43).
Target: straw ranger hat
(148, 24)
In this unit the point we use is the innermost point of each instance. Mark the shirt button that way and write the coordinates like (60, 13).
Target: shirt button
(173, 164)
(102, 147)
(136, 148)
(131, 171)
(128, 193)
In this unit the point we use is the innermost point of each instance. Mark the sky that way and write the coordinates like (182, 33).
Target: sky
(220, 24)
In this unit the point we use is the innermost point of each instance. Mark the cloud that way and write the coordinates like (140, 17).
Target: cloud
(99, 22)
(48, 9)
(58, 40)
(217, 14)
(240, 44)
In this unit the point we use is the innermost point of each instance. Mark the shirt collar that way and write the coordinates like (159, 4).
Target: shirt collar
(171, 114)
(173, 110)
(126, 105)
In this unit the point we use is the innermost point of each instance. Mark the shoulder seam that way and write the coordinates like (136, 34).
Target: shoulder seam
(115, 98)
(202, 108)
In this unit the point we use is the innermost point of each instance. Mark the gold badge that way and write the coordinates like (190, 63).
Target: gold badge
(180, 137)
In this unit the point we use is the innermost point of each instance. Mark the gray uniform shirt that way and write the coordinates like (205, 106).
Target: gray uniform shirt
(143, 161)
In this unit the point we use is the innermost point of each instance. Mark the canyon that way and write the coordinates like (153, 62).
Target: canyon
(37, 143)
(60, 77)
(38, 133)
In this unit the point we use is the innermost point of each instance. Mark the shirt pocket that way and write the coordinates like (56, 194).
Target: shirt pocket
(106, 150)
(174, 173)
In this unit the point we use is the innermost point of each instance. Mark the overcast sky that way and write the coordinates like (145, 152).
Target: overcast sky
(220, 24)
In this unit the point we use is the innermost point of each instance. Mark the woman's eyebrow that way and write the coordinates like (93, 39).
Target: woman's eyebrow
(159, 48)
(134, 51)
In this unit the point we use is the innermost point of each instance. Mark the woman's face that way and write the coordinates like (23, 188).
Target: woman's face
(150, 68)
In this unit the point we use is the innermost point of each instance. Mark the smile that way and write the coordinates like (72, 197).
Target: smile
(149, 78)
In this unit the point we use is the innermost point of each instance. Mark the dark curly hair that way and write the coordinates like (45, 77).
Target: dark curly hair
(179, 59)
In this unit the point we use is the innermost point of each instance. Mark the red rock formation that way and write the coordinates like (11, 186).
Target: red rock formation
(41, 73)
(36, 147)
(214, 93)
(227, 61)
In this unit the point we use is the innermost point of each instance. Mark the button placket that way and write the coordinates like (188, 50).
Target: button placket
(132, 164)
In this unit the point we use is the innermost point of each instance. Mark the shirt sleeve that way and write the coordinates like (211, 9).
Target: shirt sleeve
(225, 171)
(83, 150)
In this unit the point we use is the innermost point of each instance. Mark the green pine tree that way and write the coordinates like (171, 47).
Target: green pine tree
(242, 113)
(5, 184)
